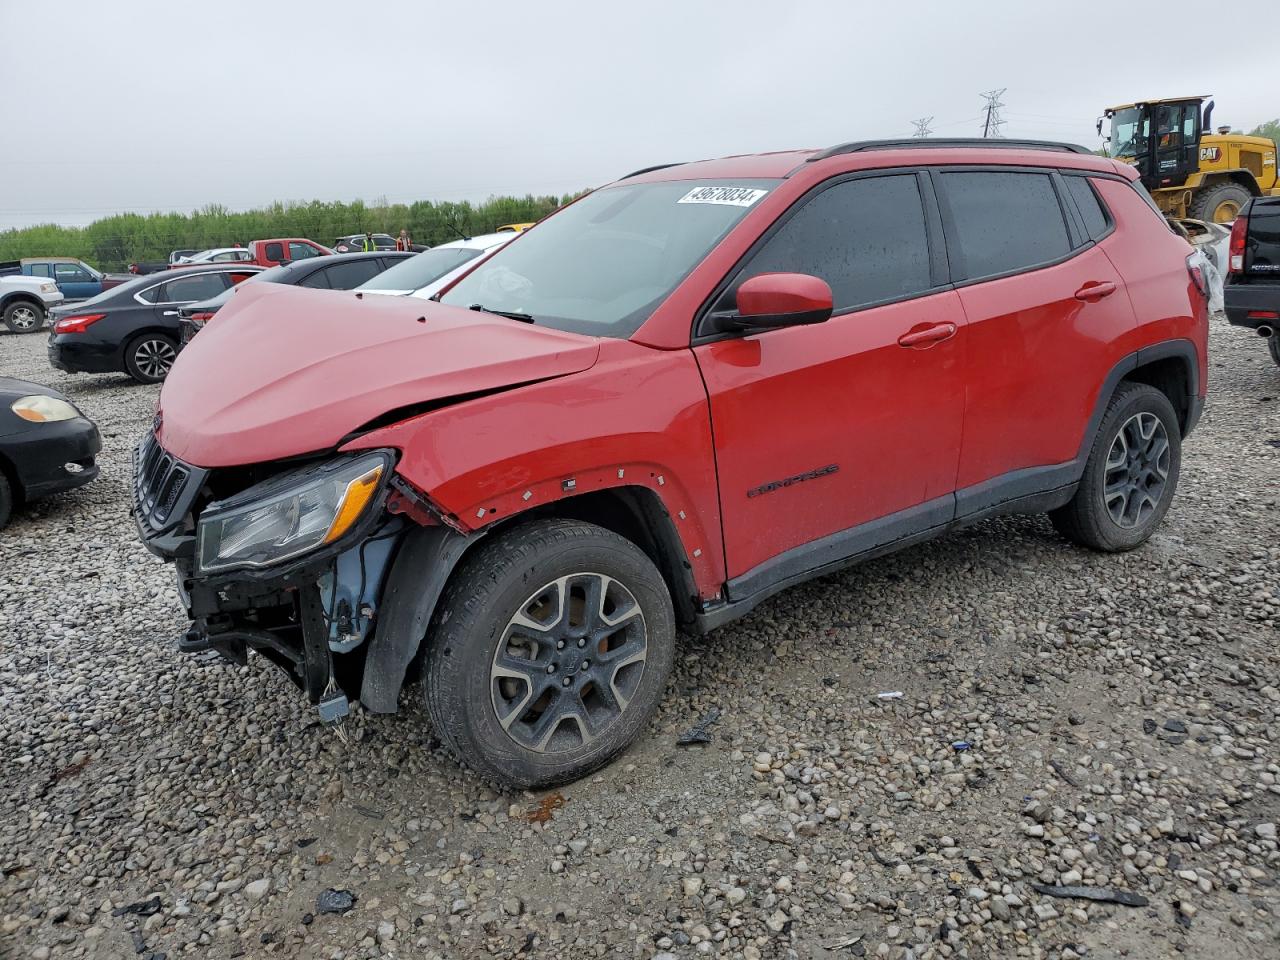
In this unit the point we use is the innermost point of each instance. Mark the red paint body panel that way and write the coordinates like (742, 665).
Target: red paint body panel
(637, 411)
(1037, 358)
(323, 364)
(845, 393)
(1153, 265)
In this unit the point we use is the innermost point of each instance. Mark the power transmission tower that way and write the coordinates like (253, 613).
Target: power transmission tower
(922, 127)
(992, 122)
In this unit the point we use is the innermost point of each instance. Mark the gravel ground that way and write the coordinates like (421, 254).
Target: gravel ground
(1066, 719)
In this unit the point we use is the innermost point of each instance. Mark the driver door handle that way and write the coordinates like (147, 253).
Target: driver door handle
(1094, 291)
(169, 313)
(928, 336)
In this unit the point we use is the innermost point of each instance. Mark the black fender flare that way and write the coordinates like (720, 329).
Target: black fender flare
(418, 576)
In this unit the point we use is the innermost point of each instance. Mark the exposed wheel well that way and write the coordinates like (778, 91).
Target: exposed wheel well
(1171, 376)
(13, 298)
(1241, 177)
(637, 514)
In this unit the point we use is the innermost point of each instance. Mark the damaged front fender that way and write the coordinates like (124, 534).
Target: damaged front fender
(422, 567)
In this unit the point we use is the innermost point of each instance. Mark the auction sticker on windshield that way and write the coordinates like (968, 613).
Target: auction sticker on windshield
(730, 196)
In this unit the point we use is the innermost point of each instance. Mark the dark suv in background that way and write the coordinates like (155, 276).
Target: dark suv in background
(678, 395)
(1252, 292)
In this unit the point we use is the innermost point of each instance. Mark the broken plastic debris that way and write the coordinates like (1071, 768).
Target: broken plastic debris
(889, 695)
(335, 901)
(699, 733)
(961, 745)
(143, 908)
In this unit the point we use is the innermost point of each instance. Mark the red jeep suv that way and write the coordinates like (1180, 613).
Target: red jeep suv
(671, 399)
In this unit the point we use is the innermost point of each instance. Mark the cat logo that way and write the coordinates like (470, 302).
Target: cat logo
(1210, 153)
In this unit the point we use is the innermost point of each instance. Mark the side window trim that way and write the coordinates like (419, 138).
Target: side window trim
(158, 303)
(960, 277)
(1086, 176)
(1077, 234)
(933, 233)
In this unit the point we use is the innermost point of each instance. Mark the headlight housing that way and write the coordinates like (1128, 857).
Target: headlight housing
(39, 408)
(291, 514)
(48, 288)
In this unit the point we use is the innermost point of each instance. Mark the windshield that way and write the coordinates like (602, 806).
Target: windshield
(603, 264)
(416, 272)
(1129, 129)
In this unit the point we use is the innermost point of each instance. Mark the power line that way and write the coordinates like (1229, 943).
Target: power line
(991, 122)
(922, 127)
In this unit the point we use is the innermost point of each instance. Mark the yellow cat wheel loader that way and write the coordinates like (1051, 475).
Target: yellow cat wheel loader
(1190, 171)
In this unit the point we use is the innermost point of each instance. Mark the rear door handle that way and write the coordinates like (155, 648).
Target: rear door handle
(929, 335)
(1093, 291)
(169, 313)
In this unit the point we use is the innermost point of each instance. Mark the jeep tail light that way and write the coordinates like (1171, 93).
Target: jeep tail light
(1197, 276)
(1235, 248)
(78, 323)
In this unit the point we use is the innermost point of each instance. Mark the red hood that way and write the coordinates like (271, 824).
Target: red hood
(282, 371)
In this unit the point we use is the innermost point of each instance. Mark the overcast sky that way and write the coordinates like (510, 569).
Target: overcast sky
(109, 106)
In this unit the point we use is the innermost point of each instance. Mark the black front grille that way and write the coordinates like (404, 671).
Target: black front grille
(163, 486)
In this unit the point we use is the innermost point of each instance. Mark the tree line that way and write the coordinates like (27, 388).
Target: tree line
(112, 243)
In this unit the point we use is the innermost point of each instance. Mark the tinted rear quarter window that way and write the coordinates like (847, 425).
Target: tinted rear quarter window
(1095, 220)
(348, 276)
(865, 237)
(1003, 222)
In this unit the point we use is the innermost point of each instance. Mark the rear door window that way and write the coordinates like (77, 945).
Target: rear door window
(865, 237)
(202, 286)
(1095, 219)
(275, 251)
(41, 270)
(1002, 222)
(349, 275)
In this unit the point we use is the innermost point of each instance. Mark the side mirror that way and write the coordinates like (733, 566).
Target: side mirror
(779, 300)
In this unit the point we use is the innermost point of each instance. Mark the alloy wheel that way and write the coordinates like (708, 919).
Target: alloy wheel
(24, 318)
(1137, 470)
(154, 358)
(569, 661)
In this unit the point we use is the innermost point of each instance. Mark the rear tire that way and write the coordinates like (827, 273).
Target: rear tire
(149, 357)
(1130, 476)
(23, 316)
(1219, 204)
(526, 695)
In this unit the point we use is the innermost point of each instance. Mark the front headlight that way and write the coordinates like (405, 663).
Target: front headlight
(42, 409)
(291, 514)
(48, 288)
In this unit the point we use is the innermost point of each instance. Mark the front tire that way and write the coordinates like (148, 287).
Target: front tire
(1220, 204)
(548, 653)
(1130, 476)
(23, 316)
(149, 357)
(6, 500)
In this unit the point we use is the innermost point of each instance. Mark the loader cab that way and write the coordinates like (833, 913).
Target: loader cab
(1161, 138)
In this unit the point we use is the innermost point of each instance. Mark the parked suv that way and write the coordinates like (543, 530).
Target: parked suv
(1252, 292)
(675, 397)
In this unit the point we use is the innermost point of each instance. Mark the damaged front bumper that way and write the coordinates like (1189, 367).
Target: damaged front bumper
(312, 615)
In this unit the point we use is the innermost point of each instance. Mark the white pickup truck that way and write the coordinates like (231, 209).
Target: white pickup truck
(25, 302)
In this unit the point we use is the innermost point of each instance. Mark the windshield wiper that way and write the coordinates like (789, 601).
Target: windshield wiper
(509, 314)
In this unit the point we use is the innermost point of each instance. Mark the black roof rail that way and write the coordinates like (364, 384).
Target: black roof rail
(862, 146)
(656, 166)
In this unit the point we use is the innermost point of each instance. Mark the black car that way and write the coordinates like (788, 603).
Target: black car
(134, 328)
(337, 272)
(46, 444)
(1252, 291)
